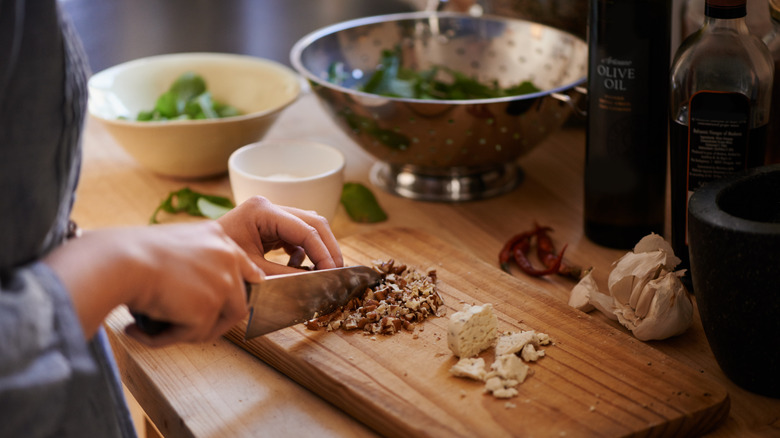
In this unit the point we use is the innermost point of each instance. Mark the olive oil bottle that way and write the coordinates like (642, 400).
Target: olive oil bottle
(720, 94)
(626, 143)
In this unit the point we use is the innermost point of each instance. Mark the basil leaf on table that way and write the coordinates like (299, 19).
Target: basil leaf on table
(210, 209)
(193, 203)
(361, 204)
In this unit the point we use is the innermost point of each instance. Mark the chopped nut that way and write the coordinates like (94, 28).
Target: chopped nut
(404, 297)
(372, 316)
(369, 308)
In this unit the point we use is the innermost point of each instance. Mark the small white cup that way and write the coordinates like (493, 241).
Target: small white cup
(296, 173)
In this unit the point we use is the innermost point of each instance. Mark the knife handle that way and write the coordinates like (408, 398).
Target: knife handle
(154, 327)
(148, 325)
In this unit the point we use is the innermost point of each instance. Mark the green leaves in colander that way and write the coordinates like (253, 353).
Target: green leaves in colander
(439, 82)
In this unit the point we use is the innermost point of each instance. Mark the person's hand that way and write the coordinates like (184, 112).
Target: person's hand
(259, 226)
(189, 275)
(200, 284)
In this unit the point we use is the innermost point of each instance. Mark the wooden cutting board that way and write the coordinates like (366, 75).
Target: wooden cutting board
(594, 381)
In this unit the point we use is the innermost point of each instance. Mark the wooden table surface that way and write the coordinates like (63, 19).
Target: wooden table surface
(218, 389)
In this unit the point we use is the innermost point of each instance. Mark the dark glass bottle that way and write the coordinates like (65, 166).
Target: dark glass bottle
(625, 162)
(720, 93)
(772, 40)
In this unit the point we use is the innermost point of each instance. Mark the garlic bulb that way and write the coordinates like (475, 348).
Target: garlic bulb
(645, 294)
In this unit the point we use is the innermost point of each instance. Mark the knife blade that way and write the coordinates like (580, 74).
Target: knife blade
(284, 300)
(281, 301)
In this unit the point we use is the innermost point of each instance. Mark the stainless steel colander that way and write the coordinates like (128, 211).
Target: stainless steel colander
(447, 150)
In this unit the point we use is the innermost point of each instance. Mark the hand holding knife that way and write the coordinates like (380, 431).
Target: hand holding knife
(281, 301)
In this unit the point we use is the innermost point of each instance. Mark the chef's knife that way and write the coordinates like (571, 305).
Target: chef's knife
(280, 301)
(284, 300)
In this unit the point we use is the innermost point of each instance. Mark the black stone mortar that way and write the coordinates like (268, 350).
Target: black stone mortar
(734, 242)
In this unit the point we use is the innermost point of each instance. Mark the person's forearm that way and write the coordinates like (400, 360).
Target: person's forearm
(190, 275)
(98, 275)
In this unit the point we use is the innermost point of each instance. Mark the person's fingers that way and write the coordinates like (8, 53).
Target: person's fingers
(272, 268)
(234, 308)
(206, 330)
(297, 256)
(248, 272)
(296, 227)
(171, 335)
(224, 323)
(318, 239)
(259, 226)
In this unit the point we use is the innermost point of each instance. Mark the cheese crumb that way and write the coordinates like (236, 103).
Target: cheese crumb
(510, 367)
(501, 388)
(514, 342)
(530, 354)
(472, 368)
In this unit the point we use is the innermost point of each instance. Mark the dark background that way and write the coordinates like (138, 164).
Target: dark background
(115, 31)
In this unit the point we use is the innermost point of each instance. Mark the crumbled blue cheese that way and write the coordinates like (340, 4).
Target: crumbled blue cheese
(501, 388)
(514, 342)
(472, 330)
(510, 367)
(530, 353)
(470, 368)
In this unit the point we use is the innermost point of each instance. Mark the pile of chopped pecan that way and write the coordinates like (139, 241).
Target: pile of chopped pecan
(403, 298)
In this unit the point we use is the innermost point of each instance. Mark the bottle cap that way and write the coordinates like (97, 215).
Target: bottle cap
(727, 9)
(727, 3)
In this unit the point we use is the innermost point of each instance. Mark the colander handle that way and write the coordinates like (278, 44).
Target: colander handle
(568, 100)
(475, 9)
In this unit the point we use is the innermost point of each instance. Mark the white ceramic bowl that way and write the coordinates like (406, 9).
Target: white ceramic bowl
(259, 88)
(296, 173)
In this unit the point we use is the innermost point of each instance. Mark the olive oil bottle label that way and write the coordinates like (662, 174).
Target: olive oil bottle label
(718, 136)
(616, 77)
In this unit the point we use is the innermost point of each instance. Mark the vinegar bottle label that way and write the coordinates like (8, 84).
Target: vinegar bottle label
(719, 128)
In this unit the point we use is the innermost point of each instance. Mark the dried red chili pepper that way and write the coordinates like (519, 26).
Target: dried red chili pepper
(520, 253)
(505, 256)
(545, 251)
(518, 247)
